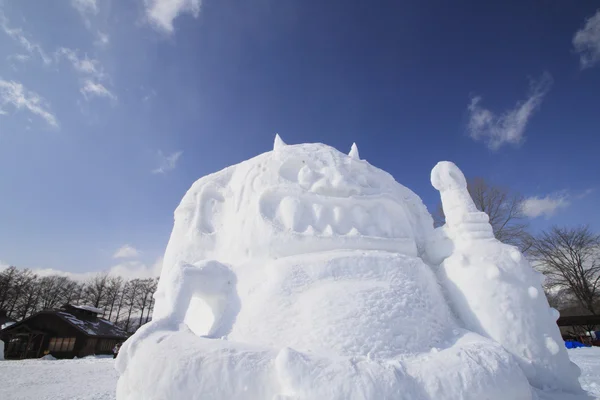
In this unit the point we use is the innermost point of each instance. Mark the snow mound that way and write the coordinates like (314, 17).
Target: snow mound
(48, 357)
(306, 273)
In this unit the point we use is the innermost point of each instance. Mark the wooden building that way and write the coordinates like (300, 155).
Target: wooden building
(72, 331)
(5, 321)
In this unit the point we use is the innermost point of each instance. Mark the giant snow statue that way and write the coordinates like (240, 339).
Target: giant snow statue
(306, 273)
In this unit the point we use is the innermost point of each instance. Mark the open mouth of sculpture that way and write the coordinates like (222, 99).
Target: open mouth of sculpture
(311, 214)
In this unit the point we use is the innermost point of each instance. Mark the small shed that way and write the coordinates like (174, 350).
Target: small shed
(72, 331)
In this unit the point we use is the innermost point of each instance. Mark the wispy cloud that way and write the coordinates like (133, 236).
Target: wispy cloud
(587, 42)
(92, 72)
(83, 65)
(102, 39)
(20, 37)
(167, 163)
(87, 9)
(162, 13)
(547, 206)
(94, 89)
(85, 6)
(509, 127)
(14, 94)
(585, 193)
(18, 57)
(126, 251)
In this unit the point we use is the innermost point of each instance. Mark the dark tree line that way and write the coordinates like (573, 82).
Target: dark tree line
(127, 303)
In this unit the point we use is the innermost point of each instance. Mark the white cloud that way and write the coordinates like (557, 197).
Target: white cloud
(162, 13)
(126, 251)
(91, 70)
(587, 42)
(102, 39)
(85, 6)
(167, 163)
(126, 270)
(546, 206)
(496, 130)
(137, 269)
(19, 36)
(83, 65)
(94, 89)
(13, 93)
(18, 57)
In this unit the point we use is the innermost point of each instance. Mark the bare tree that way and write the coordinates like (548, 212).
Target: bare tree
(151, 305)
(23, 279)
(113, 294)
(7, 281)
(503, 208)
(29, 300)
(73, 292)
(52, 290)
(133, 288)
(95, 290)
(144, 299)
(570, 259)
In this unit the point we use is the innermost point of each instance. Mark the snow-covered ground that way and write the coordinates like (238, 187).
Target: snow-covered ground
(588, 360)
(96, 378)
(86, 378)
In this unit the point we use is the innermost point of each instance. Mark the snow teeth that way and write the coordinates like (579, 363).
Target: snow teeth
(290, 212)
(383, 221)
(359, 216)
(310, 230)
(318, 210)
(338, 214)
(353, 232)
(321, 217)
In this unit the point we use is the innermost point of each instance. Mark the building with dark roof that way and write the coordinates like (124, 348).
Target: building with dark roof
(72, 331)
(5, 321)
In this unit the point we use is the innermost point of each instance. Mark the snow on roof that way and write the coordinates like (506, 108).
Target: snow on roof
(6, 324)
(100, 327)
(89, 308)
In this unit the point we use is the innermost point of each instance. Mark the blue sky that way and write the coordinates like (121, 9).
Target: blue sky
(109, 110)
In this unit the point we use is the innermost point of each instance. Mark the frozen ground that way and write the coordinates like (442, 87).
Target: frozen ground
(96, 378)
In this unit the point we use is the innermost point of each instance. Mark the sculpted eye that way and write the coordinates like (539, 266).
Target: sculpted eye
(296, 170)
(290, 169)
(306, 177)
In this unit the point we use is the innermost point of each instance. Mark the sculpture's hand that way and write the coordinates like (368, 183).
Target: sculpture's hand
(209, 280)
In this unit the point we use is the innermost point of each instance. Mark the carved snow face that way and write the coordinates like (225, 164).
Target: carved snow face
(296, 199)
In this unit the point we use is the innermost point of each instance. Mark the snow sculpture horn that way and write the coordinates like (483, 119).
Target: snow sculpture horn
(278, 143)
(354, 152)
(494, 290)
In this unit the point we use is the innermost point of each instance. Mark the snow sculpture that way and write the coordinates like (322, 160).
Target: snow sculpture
(300, 274)
(494, 290)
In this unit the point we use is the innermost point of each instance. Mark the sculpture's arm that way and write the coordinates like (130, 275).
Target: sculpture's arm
(209, 280)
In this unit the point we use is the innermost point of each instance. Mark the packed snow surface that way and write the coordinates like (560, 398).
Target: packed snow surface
(306, 273)
(94, 378)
